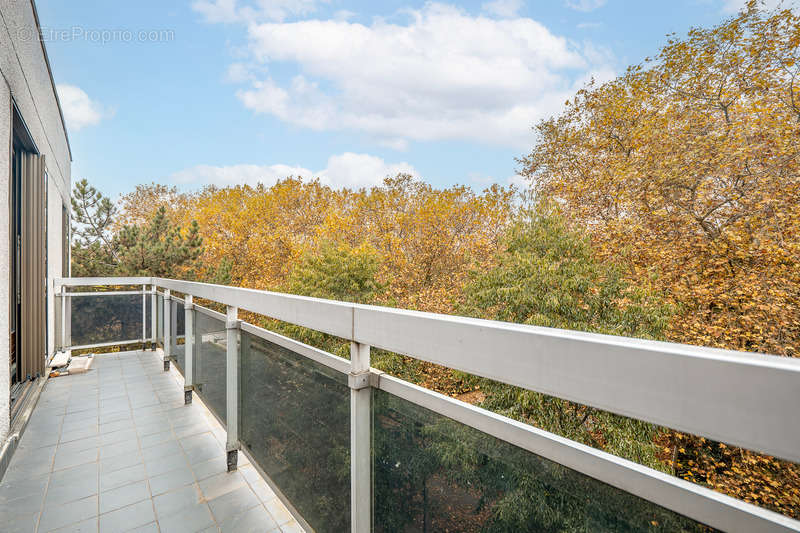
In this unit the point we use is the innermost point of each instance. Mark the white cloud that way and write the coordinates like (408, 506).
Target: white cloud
(502, 8)
(227, 11)
(585, 5)
(79, 110)
(345, 170)
(423, 80)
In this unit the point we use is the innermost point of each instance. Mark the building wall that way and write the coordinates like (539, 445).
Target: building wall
(26, 79)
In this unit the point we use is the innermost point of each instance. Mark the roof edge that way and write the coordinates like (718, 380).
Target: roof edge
(52, 80)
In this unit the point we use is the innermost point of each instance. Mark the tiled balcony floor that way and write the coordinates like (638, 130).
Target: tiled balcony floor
(116, 450)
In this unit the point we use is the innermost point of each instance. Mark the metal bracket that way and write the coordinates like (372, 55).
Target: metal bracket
(233, 324)
(358, 381)
(187, 395)
(166, 365)
(375, 378)
(187, 306)
(233, 459)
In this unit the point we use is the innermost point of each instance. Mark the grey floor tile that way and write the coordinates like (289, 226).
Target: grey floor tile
(121, 477)
(19, 523)
(160, 465)
(87, 526)
(67, 459)
(164, 449)
(125, 435)
(210, 468)
(152, 527)
(233, 503)
(119, 448)
(127, 518)
(177, 500)
(148, 441)
(30, 487)
(123, 496)
(59, 516)
(188, 520)
(220, 484)
(118, 462)
(171, 480)
(262, 490)
(292, 527)
(253, 520)
(21, 506)
(278, 511)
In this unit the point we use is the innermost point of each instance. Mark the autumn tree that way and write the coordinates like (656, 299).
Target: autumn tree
(685, 170)
(688, 165)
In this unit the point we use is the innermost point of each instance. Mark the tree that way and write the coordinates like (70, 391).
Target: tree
(337, 272)
(103, 248)
(92, 218)
(688, 166)
(158, 249)
(548, 275)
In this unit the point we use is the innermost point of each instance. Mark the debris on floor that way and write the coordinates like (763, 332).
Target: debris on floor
(76, 365)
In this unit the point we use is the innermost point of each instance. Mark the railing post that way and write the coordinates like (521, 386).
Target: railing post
(188, 347)
(360, 439)
(167, 328)
(64, 342)
(51, 347)
(232, 325)
(153, 322)
(144, 315)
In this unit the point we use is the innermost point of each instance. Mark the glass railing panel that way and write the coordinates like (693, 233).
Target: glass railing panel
(160, 319)
(210, 362)
(104, 319)
(295, 420)
(148, 316)
(432, 473)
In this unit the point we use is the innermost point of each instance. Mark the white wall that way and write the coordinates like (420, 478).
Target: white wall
(5, 174)
(26, 79)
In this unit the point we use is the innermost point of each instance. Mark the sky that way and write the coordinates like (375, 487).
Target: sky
(196, 92)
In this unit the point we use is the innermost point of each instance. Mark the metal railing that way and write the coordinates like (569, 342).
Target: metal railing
(743, 399)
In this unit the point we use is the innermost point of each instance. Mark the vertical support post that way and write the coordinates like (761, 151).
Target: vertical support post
(66, 318)
(360, 439)
(232, 325)
(144, 315)
(188, 369)
(51, 347)
(167, 328)
(64, 341)
(153, 322)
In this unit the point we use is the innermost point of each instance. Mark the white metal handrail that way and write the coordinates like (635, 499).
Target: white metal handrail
(738, 398)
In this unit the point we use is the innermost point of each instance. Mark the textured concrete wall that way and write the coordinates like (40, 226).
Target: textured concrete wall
(26, 80)
(5, 174)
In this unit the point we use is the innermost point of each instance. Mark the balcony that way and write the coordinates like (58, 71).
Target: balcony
(307, 440)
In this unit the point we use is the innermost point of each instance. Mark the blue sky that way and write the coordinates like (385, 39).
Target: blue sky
(227, 91)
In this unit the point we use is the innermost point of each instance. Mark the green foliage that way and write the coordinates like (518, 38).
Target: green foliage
(157, 248)
(547, 276)
(338, 272)
(92, 218)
